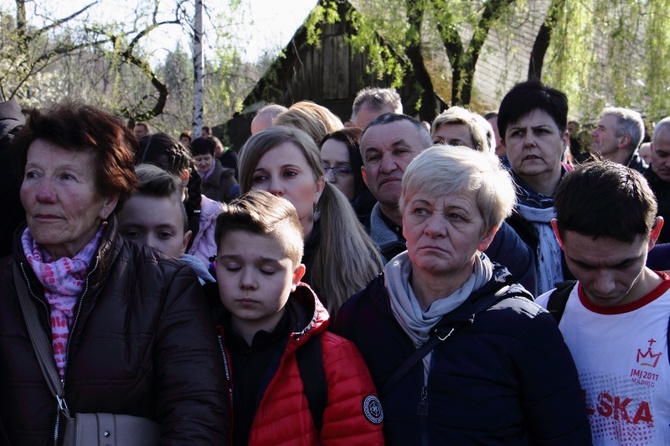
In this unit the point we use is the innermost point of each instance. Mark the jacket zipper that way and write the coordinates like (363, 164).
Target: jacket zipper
(422, 406)
(46, 309)
(61, 403)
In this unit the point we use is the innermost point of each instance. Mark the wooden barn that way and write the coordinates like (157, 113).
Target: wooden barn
(330, 74)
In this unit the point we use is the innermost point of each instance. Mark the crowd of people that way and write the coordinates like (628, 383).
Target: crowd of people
(472, 280)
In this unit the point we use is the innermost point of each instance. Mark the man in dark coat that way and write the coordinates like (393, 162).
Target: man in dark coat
(11, 121)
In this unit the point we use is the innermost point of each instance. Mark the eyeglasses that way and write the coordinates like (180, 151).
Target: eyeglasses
(338, 171)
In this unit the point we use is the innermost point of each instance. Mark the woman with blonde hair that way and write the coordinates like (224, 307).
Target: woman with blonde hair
(339, 255)
(459, 352)
(317, 121)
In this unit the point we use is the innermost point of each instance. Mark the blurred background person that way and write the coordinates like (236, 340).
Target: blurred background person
(142, 129)
(218, 182)
(265, 116)
(371, 103)
(315, 120)
(341, 155)
(185, 139)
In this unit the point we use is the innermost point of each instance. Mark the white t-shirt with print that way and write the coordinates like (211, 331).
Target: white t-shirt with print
(621, 355)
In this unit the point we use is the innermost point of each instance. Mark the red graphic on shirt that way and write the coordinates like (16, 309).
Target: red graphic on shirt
(650, 358)
(621, 408)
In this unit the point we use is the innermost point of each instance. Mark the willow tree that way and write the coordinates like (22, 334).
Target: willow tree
(601, 52)
(612, 52)
(396, 35)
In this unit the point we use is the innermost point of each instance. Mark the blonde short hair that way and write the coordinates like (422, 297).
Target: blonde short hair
(445, 170)
(459, 115)
(317, 121)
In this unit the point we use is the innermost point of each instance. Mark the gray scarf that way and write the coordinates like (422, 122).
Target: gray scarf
(405, 306)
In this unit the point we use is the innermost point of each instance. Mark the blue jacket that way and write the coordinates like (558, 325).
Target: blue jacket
(504, 376)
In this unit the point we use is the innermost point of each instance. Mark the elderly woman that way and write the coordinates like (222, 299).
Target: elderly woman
(459, 353)
(128, 326)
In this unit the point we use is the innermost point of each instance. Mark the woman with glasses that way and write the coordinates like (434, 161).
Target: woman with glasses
(339, 255)
(341, 155)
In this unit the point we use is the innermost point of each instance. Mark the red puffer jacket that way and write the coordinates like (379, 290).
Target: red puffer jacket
(283, 416)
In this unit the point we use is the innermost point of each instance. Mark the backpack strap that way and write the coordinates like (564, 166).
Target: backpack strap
(313, 375)
(558, 299)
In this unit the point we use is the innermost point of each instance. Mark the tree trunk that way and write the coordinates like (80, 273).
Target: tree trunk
(423, 100)
(198, 71)
(542, 41)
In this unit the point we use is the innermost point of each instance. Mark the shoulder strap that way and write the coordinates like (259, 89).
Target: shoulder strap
(559, 298)
(415, 357)
(442, 333)
(313, 375)
(41, 345)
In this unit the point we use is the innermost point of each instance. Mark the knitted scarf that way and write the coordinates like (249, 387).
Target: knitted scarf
(63, 281)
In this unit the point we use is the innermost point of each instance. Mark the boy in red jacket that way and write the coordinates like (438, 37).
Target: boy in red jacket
(268, 317)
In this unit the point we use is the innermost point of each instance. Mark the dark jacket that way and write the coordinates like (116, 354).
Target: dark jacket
(504, 376)
(637, 163)
(229, 159)
(141, 344)
(282, 415)
(11, 121)
(661, 190)
(221, 184)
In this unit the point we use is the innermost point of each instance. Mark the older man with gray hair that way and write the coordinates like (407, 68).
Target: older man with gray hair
(618, 135)
(658, 176)
(373, 102)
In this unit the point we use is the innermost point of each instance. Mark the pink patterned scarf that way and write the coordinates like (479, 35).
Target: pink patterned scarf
(63, 282)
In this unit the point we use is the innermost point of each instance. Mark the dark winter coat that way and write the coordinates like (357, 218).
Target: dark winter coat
(11, 121)
(141, 344)
(221, 185)
(504, 376)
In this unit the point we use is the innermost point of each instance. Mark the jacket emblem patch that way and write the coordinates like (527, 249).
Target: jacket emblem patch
(372, 408)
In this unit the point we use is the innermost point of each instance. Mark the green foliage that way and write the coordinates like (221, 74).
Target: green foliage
(325, 12)
(606, 52)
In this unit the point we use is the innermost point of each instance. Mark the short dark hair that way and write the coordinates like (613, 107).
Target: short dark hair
(77, 127)
(260, 212)
(528, 96)
(388, 118)
(203, 146)
(351, 137)
(605, 199)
